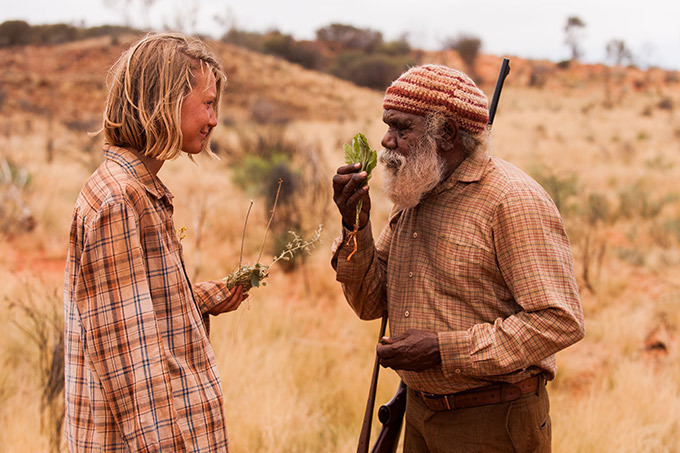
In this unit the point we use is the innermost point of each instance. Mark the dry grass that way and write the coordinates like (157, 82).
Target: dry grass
(295, 362)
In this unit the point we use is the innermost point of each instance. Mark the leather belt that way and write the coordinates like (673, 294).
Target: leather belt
(481, 396)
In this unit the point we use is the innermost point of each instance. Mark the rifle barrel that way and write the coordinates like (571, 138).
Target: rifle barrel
(505, 70)
(365, 436)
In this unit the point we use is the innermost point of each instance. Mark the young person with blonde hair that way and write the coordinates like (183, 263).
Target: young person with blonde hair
(140, 372)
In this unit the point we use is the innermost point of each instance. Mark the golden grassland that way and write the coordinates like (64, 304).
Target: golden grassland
(295, 361)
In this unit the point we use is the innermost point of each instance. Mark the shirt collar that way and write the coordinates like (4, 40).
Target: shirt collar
(470, 170)
(133, 166)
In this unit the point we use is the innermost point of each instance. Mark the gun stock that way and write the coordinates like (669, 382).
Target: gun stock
(391, 415)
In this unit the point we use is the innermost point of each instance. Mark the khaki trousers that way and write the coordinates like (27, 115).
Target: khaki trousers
(521, 426)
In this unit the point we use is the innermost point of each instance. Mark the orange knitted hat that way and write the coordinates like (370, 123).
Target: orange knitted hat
(439, 89)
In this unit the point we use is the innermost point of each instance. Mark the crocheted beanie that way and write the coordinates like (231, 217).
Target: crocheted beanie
(439, 89)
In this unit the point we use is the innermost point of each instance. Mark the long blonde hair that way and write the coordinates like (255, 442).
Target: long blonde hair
(147, 87)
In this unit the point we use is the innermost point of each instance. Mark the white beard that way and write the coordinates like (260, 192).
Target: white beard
(408, 179)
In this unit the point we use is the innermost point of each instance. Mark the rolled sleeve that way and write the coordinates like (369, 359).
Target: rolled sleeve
(210, 294)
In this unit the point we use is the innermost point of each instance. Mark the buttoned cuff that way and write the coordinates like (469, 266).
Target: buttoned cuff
(454, 349)
(210, 294)
(341, 249)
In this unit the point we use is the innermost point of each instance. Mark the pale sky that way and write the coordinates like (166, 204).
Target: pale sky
(524, 28)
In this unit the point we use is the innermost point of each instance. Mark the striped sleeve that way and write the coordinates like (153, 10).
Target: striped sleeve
(122, 337)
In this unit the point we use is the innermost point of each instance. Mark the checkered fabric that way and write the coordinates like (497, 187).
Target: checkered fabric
(140, 372)
(485, 263)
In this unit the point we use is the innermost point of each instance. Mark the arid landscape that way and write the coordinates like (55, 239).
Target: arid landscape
(295, 361)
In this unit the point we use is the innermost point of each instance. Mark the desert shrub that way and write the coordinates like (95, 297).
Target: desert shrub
(665, 104)
(672, 226)
(665, 232)
(395, 48)
(636, 201)
(564, 64)
(249, 40)
(633, 256)
(20, 33)
(54, 33)
(375, 71)
(15, 33)
(598, 209)
(539, 76)
(3, 97)
(561, 188)
(646, 111)
(39, 316)
(348, 37)
(15, 213)
(267, 111)
(468, 48)
(83, 125)
(672, 77)
(265, 159)
(285, 46)
(107, 30)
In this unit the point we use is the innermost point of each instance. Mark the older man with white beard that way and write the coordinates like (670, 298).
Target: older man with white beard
(474, 269)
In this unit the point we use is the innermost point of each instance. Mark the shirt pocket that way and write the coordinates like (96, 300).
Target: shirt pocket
(458, 267)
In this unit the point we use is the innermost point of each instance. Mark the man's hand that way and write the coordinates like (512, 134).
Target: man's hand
(347, 192)
(414, 350)
(231, 303)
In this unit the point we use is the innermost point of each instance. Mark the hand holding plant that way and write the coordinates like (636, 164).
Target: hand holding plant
(359, 152)
(248, 276)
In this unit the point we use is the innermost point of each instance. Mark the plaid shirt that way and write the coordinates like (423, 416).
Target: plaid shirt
(484, 262)
(140, 372)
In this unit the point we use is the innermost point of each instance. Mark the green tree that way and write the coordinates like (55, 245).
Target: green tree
(349, 37)
(15, 33)
(468, 47)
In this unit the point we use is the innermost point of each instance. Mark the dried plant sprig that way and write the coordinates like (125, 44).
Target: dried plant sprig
(298, 244)
(249, 276)
(243, 236)
(271, 217)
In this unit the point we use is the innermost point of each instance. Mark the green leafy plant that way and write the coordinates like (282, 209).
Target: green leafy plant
(360, 152)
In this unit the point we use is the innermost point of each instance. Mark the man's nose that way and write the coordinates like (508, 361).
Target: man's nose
(388, 141)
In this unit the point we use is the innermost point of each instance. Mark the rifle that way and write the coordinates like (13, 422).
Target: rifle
(391, 415)
(393, 412)
(365, 436)
(505, 70)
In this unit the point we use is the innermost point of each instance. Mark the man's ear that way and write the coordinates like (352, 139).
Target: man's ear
(449, 136)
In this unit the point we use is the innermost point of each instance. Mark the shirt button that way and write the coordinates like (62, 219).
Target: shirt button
(219, 298)
(407, 314)
(457, 371)
(410, 275)
(415, 235)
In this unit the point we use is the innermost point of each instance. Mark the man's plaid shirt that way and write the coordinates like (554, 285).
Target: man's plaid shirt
(484, 262)
(140, 373)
